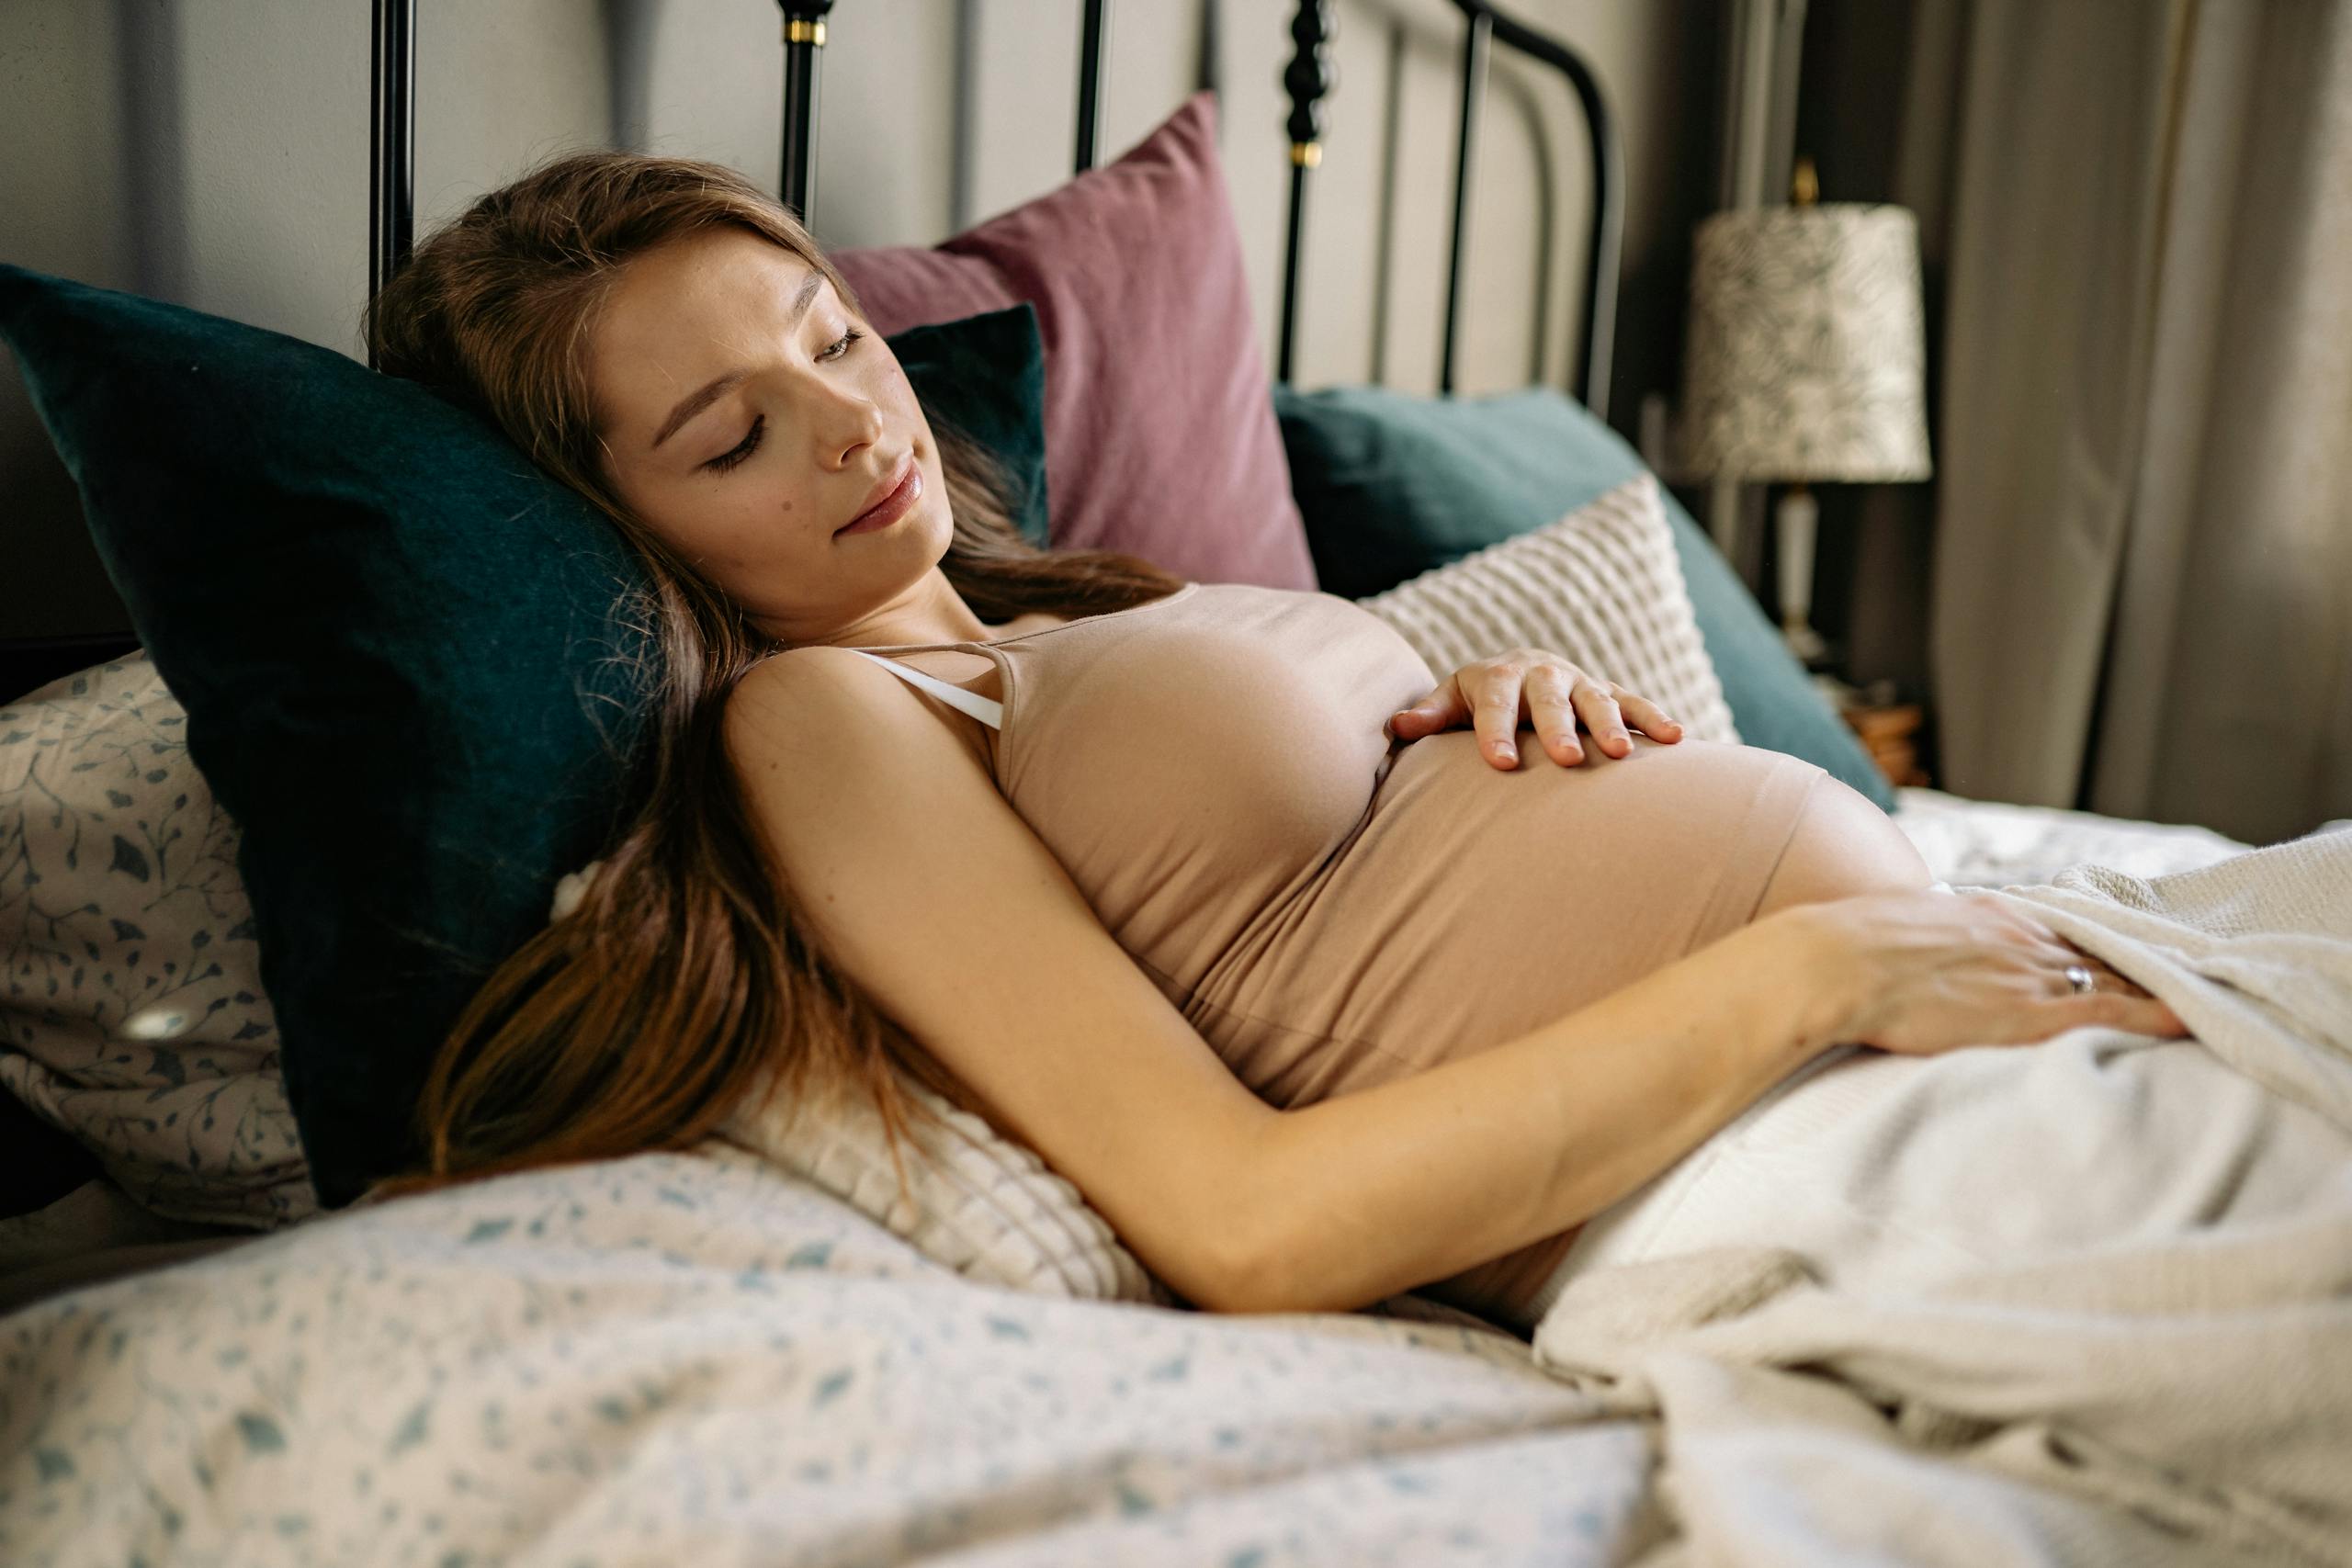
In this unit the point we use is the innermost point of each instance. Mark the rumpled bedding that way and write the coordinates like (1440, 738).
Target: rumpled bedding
(700, 1358)
(2172, 1397)
(1998, 844)
(695, 1358)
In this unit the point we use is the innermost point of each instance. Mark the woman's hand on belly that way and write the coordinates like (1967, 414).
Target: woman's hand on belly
(1493, 694)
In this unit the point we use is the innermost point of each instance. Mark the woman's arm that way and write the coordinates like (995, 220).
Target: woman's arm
(940, 902)
(1424, 1177)
(1421, 1178)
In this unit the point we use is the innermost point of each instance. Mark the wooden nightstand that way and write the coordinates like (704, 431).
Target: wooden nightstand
(1888, 729)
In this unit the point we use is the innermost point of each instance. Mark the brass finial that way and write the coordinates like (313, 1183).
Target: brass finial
(1804, 187)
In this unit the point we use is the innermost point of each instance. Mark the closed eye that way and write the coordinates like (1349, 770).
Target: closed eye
(743, 449)
(750, 442)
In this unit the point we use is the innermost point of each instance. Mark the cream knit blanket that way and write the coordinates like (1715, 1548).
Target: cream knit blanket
(2184, 1400)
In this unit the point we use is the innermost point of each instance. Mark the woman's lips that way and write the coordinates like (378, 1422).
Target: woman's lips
(891, 507)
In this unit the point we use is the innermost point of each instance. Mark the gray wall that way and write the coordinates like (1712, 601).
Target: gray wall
(214, 152)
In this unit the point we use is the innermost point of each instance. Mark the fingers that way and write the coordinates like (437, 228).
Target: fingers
(1440, 709)
(1493, 696)
(2105, 976)
(1554, 716)
(2115, 999)
(1598, 704)
(2142, 1014)
(1557, 699)
(1495, 716)
(1651, 718)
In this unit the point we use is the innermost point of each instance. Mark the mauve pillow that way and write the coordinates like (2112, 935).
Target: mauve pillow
(1160, 437)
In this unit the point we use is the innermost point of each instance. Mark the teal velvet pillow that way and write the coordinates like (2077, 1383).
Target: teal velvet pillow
(1392, 484)
(407, 657)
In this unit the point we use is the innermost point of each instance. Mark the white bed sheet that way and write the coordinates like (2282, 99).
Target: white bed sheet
(1985, 843)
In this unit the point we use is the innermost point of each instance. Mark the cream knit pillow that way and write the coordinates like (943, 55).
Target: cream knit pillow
(983, 1205)
(1600, 586)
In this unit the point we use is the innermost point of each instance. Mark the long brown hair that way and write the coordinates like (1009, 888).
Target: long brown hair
(687, 976)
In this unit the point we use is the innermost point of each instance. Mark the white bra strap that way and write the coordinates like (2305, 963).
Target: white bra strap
(988, 710)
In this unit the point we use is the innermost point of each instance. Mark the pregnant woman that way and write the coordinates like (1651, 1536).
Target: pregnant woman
(1317, 998)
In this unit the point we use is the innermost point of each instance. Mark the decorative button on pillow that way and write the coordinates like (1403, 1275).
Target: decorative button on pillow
(1600, 586)
(131, 1011)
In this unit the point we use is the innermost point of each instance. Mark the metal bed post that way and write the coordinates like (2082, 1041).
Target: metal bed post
(1607, 231)
(1476, 44)
(1308, 78)
(964, 116)
(1208, 68)
(1385, 224)
(1539, 334)
(804, 35)
(392, 144)
(1093, 38)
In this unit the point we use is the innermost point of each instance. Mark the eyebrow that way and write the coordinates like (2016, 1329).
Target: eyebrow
(694, 404)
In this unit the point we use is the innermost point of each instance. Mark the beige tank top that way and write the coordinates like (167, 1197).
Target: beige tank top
(1332, 909)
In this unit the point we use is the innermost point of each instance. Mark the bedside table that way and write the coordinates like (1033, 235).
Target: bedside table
(1887, 728)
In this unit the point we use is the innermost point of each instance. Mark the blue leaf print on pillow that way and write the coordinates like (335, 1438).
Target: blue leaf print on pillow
(118, 1023)
(128, 858)
(261, 1434)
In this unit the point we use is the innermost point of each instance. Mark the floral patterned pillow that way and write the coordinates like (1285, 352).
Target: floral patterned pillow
(131, 1011)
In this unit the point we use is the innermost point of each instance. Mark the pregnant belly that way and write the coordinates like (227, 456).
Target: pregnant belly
(1476, 906)
(1843, 845)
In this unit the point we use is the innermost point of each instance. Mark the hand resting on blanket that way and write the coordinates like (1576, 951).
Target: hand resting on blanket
(1922, 973)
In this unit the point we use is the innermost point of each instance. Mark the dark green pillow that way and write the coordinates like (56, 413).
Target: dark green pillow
(985, 376)
(1392, 484)
(403, 651)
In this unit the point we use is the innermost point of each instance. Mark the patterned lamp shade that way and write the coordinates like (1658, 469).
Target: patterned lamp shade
(1806, 346)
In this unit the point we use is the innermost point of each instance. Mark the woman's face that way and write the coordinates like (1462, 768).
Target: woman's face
(747, 416)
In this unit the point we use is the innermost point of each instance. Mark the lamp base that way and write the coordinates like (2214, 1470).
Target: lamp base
(1796, 518)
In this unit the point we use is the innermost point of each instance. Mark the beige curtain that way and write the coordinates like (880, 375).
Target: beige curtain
(2142, 566)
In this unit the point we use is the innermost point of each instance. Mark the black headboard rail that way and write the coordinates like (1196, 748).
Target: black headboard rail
(1605, 246)
(1308, 79)
(804, 35)
(392, 133)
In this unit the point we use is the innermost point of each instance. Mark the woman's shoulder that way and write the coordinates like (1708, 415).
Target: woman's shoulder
(799, 685)
(802, 701)
(789, 670)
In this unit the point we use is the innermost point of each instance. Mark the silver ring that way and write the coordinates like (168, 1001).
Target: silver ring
(2081, 979)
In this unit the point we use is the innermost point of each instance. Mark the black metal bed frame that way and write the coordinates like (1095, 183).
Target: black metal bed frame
(391, 211)
(26, 664)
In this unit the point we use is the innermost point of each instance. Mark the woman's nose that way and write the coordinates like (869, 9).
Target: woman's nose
(847, 424)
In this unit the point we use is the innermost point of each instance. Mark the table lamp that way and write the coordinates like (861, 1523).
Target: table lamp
(1806, 363)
